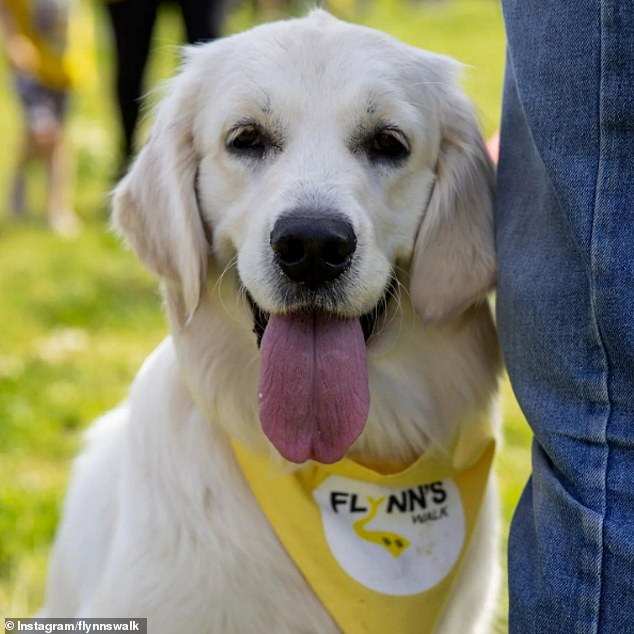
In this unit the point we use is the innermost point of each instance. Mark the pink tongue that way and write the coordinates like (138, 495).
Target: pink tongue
(313, 390)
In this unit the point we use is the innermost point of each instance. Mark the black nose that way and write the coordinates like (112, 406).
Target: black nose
(313, 249)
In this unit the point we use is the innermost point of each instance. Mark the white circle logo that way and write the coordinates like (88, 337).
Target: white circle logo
(394, 540)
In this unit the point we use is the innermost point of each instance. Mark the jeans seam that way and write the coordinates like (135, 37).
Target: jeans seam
(596, 321)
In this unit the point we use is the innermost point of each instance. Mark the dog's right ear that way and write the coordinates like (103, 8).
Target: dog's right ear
(155, 206)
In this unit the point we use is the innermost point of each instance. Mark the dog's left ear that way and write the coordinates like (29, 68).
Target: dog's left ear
(453, 264)
(155, 205)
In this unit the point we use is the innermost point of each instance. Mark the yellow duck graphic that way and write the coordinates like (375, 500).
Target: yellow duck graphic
(394, 543)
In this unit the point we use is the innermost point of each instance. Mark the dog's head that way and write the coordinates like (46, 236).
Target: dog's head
(332, 164)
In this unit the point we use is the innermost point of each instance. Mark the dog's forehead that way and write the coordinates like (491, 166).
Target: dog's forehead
(318, 42)
(315, 60)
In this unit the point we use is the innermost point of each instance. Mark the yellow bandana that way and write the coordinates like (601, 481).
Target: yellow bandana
(380, 551)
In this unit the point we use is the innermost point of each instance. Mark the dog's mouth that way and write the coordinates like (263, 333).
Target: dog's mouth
(313, 390)
(370, 321)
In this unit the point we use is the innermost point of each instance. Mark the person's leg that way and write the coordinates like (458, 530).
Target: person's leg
(203, 19)
(59, 166)
(17, 201)
(565, 304)
(24, 89)
(61, 217)
(132, 22)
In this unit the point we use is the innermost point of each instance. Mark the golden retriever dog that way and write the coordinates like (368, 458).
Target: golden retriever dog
(316, 200)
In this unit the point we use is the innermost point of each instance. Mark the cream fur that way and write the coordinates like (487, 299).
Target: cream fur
(158, 521)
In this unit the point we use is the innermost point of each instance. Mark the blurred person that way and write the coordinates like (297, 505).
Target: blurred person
(565, 305)
(132, 23)
(36, 43)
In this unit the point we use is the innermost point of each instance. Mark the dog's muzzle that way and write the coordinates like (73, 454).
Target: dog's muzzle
(312, 251)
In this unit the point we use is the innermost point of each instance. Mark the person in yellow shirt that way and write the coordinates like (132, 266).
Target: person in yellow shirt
(36, 39)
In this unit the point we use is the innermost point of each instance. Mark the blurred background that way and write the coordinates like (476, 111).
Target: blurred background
(78, 313)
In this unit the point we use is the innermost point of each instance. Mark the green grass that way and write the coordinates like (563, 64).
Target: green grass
(78, 316)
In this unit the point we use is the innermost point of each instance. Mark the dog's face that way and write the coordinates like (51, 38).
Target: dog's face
(331, 164)
(317, 162)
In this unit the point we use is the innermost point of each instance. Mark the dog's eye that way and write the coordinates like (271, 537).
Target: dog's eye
(388, 145)
(248, 139)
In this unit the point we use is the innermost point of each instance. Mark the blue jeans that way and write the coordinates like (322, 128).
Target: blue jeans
(565, 305)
